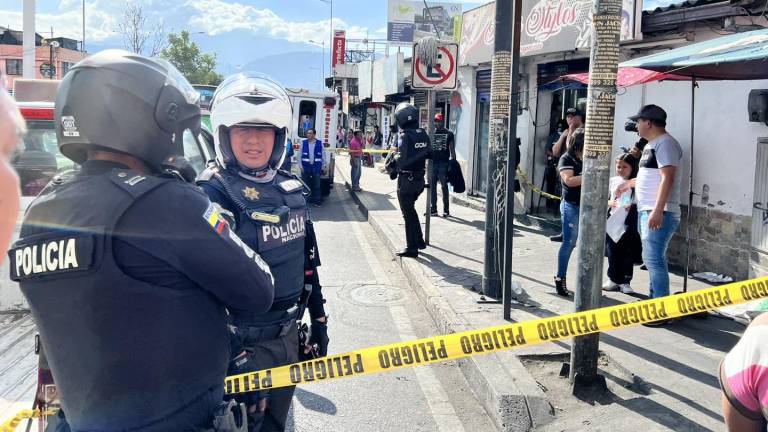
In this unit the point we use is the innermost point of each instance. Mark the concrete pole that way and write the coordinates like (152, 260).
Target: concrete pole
(28, 43)
(598, 143)
(509, 199)
(497, 133)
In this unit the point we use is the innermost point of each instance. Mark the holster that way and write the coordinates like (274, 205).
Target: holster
(230, 417)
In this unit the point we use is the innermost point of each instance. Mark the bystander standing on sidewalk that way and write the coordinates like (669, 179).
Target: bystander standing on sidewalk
(569, 168)
(624, 252)
(312, 166)
(392, 137)
(658, 195)
(443, 150)
(378, 142)
(356, 159)
(575, 120)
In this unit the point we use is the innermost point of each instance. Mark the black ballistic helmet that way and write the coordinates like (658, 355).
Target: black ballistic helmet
(123, 102)
(406, 116)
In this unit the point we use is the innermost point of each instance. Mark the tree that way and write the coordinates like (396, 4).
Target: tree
(195, 65)
(136, 36)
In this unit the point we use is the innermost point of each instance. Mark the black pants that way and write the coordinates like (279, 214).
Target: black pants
(409, 187)
(623, 255)
(269, 354)
(438, 171)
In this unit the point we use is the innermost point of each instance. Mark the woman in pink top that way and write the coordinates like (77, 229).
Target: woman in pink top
(356, 159)
(744, 379)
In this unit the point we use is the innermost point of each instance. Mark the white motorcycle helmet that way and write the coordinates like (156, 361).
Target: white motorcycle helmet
(250, 100)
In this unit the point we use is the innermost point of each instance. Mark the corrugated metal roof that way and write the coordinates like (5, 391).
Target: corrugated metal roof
(682, 5)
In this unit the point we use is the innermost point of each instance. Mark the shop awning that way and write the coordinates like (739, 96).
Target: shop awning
(740, 56)
(629, 76)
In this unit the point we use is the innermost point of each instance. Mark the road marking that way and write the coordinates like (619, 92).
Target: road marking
(440, 405)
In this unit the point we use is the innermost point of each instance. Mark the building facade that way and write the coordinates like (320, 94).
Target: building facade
(60, 52)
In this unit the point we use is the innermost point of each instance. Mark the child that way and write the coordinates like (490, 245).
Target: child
(623, 254)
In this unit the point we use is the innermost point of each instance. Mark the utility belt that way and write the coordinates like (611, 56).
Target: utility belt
(254, 332)
(411, 175)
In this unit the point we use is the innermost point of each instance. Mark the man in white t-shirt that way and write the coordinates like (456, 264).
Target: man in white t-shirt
(657, 188)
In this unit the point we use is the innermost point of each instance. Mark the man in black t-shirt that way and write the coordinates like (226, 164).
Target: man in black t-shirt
(443, 150)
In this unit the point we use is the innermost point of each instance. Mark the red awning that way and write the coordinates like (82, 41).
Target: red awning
(629, 76)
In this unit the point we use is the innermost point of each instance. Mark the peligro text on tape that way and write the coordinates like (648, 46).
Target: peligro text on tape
(460, 345)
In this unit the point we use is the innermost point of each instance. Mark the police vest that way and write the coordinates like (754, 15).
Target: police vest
(414, 149)
(123, 352)
(306, 163)
(281, 245)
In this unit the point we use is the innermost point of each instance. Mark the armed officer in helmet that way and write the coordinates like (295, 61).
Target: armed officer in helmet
(412, 153)
(251, 116)
(129, 271)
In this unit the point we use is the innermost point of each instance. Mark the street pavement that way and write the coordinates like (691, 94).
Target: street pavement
(369, 303)
(659, 378)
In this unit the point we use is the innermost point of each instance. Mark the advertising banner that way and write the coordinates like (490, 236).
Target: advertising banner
(409, 20)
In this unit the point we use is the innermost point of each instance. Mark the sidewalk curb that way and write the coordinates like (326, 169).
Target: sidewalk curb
(511, 397)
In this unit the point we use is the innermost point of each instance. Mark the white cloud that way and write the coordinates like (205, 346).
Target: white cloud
(218, 16)
(99, 23)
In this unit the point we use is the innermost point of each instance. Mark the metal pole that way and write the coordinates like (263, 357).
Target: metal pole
(28, 40)
(690, 189)
(431, 133)
(509, 199)
(497, 130)
(322, 71)
(598, 142)
(82, 44)
(51, 73)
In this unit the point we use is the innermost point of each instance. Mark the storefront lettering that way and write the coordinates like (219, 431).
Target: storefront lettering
(548, 18)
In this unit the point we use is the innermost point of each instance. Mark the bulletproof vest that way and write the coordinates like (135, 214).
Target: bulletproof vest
(281, 245)
(124, 353)
(440, 151)
(414, 149)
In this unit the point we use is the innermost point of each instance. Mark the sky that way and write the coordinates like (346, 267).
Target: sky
(283, 38)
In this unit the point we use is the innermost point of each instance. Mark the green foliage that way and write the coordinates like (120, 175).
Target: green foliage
(196, 66)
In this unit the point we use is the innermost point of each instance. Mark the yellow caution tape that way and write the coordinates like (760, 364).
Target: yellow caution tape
(522, 176)
(13, 423)
(455, 346)
(492, 339)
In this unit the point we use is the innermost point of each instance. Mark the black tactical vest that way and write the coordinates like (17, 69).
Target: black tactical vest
(123, 353)
(414, 149)
(281, 245)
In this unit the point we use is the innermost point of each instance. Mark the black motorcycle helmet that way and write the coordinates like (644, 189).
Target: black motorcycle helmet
(123, 102)
(406, 116)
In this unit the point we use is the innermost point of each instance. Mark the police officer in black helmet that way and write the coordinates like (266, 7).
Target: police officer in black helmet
(128, 270)
(412, 152)
(251, 116)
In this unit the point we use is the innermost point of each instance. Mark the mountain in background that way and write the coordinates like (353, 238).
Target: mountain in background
(298, 69)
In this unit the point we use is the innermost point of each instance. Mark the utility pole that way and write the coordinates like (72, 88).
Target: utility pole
(598, 142)
(509, 198)
(28, 40)
(497, 133)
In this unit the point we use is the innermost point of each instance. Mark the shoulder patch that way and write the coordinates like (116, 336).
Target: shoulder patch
(291, 185)
(212, 215)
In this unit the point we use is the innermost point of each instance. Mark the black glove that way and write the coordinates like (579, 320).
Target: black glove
(319, 336)
(241, 364)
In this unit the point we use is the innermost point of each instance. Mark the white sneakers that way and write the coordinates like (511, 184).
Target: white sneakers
(626, 289)
(610, 286)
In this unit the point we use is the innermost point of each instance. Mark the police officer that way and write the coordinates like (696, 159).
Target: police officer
(413, 151)
(251, 116)
(128, 271)
(443, 150)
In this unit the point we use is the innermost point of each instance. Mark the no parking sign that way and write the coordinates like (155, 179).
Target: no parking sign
(439, 76)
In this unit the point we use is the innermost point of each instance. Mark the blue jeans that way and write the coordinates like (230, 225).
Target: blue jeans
(569, 217)
(357, 167)
(312, 179)
(655, 243)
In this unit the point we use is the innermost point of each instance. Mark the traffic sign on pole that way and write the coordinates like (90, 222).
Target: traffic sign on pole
(438, 76)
